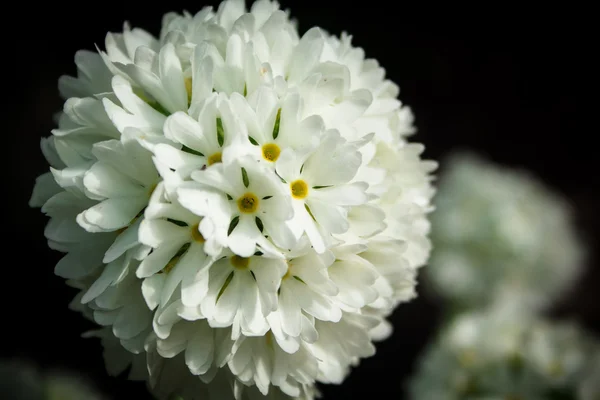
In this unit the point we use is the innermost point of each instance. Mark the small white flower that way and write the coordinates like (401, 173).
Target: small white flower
(252, 198)
(274, 125)
(243, 291)
(319, 183)
(204, 140)
(180, 253)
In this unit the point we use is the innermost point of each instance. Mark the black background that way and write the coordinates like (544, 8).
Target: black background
(510, 83)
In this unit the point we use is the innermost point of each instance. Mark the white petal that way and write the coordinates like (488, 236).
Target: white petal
(158, 259)
(229, 302)
(185, 130)
(156, 232)
(184, 163)
(306, 55)
(110, 274)
(105, 181)
(243, 238)
(132, 320)
(366, 220)
(200, 350)
(111, 214)
(332, 218)
(151, 289)
(194, 285)
(290, 311)
(344, 195)
(171, 76)
(125, 241)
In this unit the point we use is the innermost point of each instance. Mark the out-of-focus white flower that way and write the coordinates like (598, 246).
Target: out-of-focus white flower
(500, 234)
(239, 205)
(22, 380)
(499, 354)
(590, 387)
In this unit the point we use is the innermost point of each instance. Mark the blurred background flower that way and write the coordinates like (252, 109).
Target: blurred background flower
(499, 232)
(497, 353)
(23, 380)
(505, 251)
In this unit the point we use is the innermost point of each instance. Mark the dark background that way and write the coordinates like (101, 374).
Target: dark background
(510, 83)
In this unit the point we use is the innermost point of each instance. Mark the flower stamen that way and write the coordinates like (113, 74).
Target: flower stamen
(288, 272)
(299, 189)
(196, 235)
(248, 203)
(188, 88)
(215, 158)
(270, 152)
(239, 262)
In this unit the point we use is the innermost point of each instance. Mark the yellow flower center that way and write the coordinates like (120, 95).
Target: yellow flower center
(288, 272)
(239, 262)
(215, 158)
(271, 152)
(248, 203)
(188, 88)
(299, 189)
(196, 235)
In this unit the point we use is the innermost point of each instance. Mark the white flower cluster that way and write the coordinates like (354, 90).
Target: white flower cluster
(497, 354)
(500, 234)
(238, 203)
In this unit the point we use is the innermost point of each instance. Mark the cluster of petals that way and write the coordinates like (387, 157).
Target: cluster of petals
(238, 204)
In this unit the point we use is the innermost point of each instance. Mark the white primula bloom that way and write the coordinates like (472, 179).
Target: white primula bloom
(242, 292)
(319, 184)
(253, 203)
(501, 233)
(274, 125)
(499, 354)
(238, 203)
(204, 139)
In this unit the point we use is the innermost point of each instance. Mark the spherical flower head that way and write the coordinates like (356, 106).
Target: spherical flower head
(238, 204)
(500, 233)
(499, 354)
